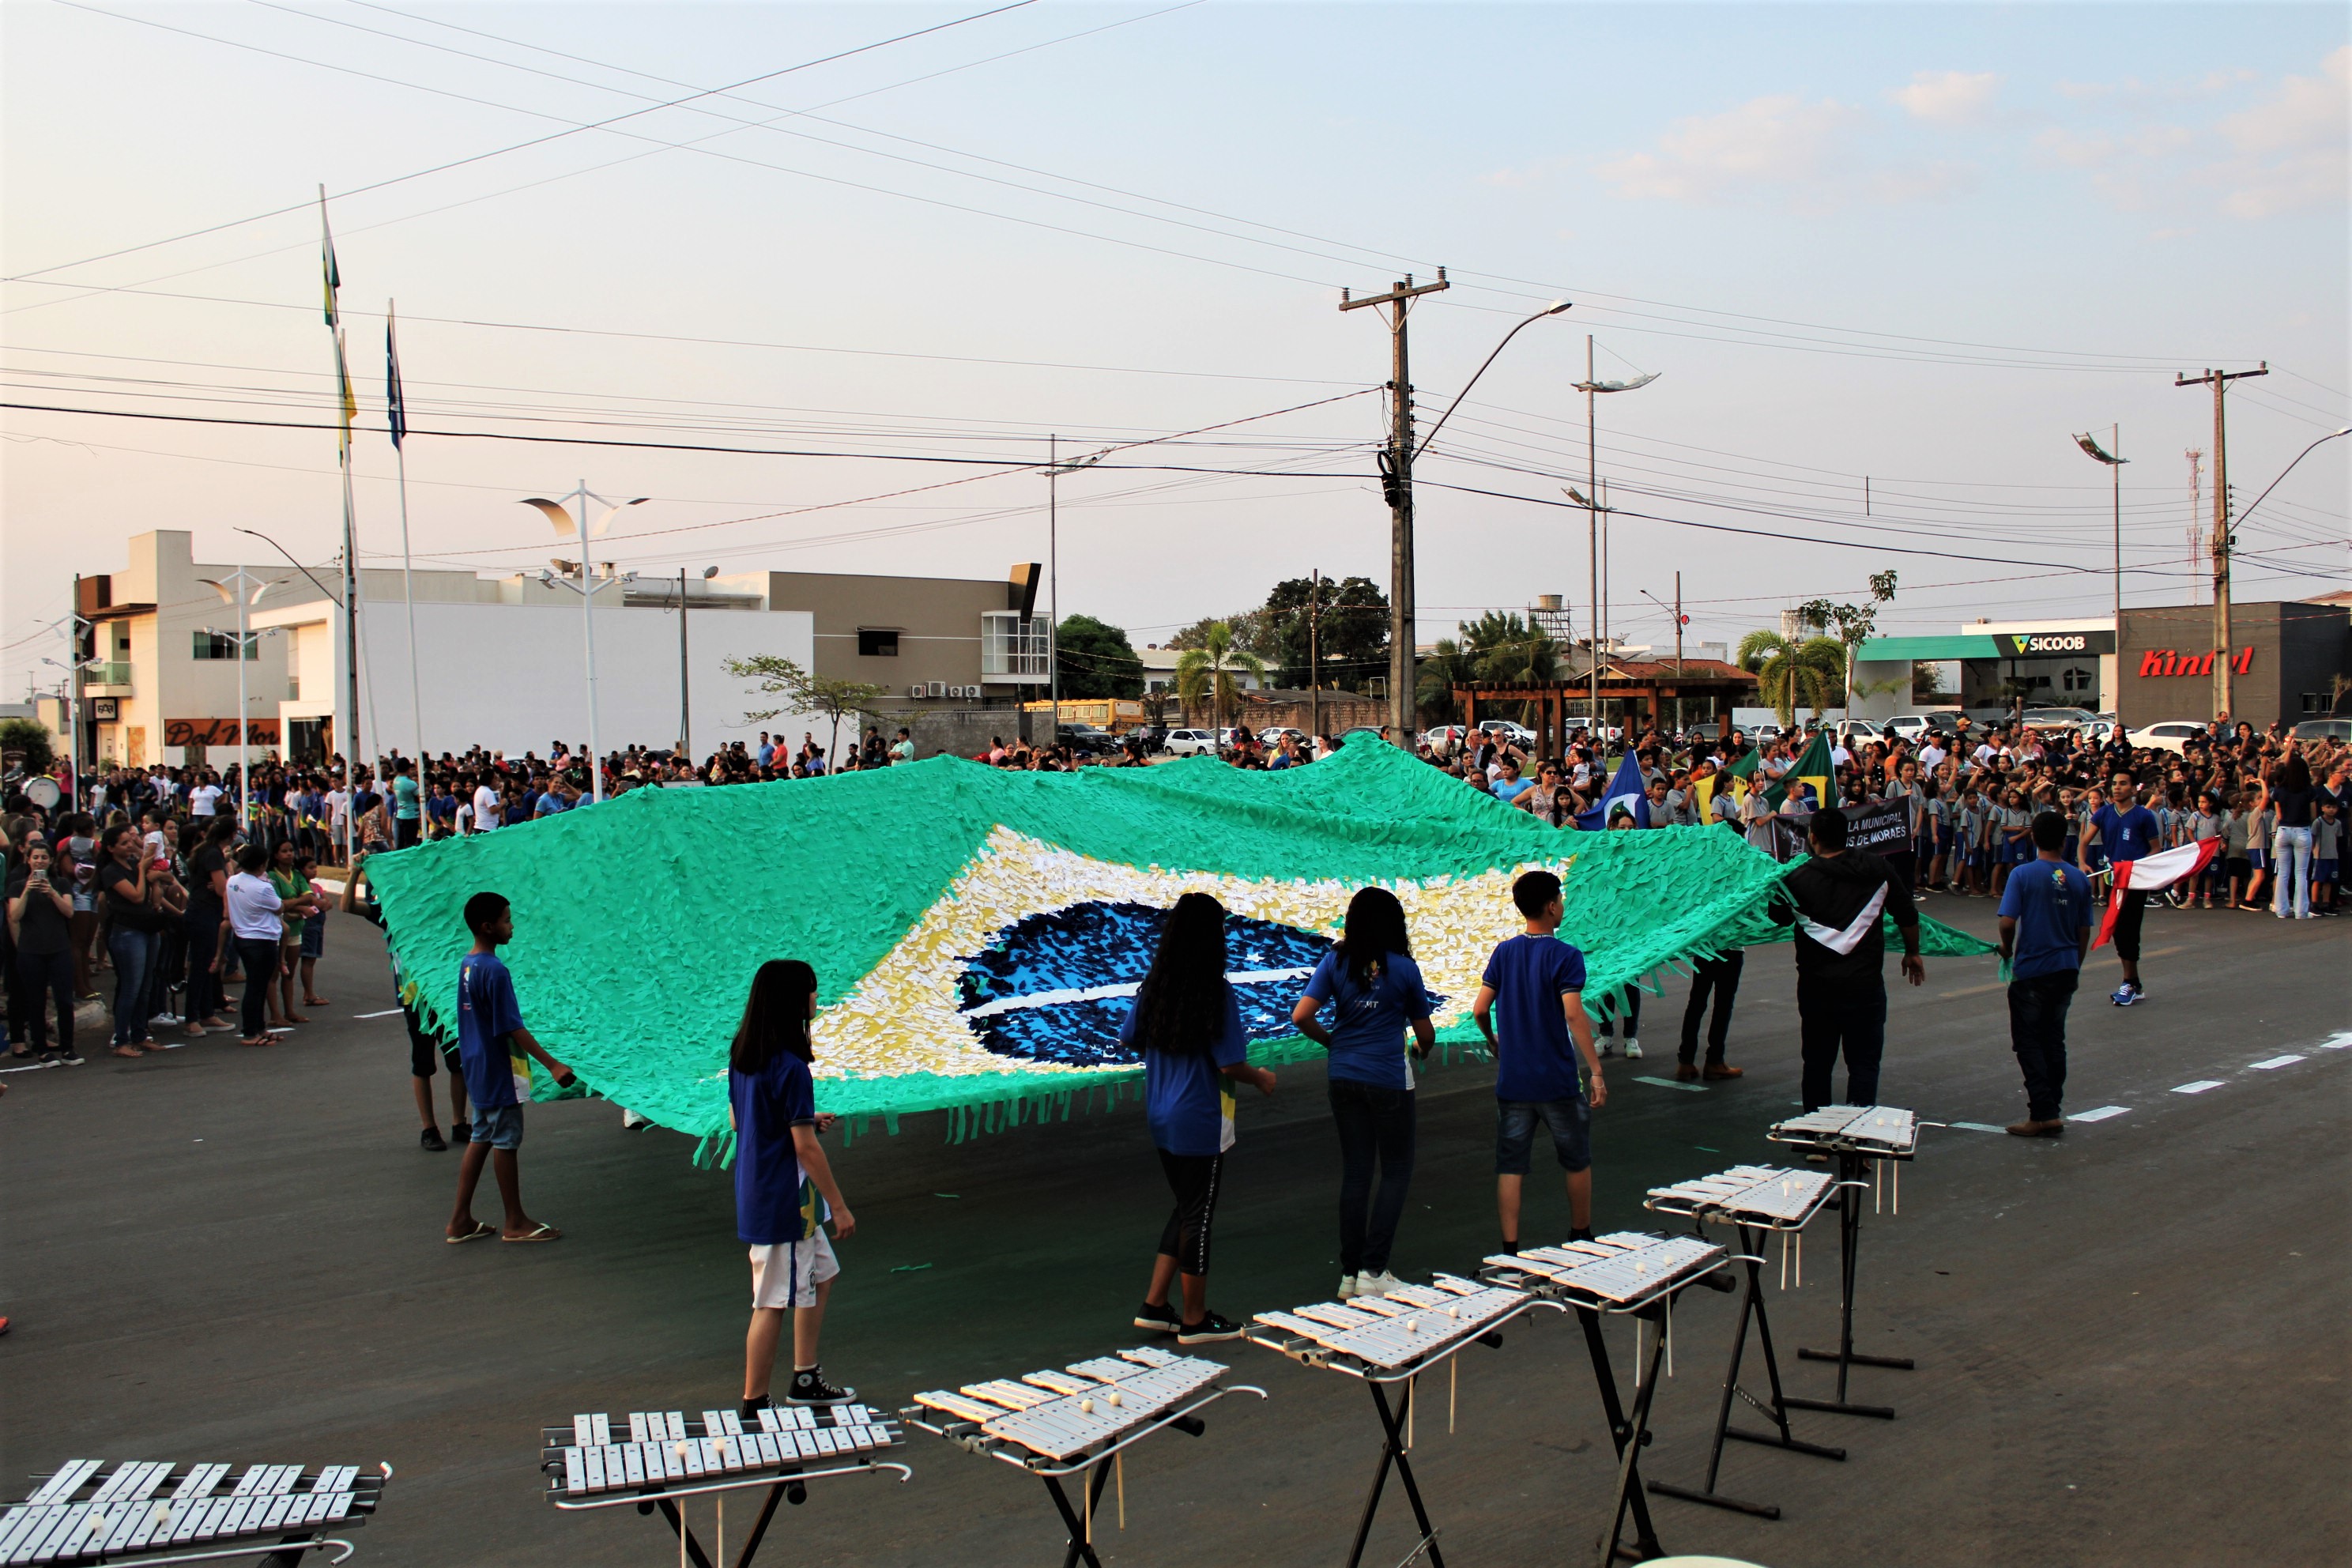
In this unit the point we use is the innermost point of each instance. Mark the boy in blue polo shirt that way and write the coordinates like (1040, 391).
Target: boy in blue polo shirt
(1539, 982)
(2045, 929)
(2124, 831)
(494, 1053)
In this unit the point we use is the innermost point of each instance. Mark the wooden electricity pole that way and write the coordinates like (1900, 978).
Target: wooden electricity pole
(1314, 659)
(2220, 381)
(1396, 479)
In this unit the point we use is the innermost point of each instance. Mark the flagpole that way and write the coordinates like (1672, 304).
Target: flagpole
(397, 409)
(351, 742)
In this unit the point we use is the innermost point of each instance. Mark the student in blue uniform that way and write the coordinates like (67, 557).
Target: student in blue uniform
(493, 1052)
(2123, 831)
(2045, 932)
(1188, 1027)
(1373, 988)
(1538, 980)
(784, 1188)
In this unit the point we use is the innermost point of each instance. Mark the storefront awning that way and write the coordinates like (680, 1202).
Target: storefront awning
(1904, 649)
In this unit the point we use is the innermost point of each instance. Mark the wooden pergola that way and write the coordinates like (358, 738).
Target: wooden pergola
(1703, 685)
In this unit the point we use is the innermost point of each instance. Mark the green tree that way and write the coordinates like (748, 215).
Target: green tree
(1247, 631)
(29, 742)
(1351, 630)
(1097, 660)
(1849, 624)
(774, 675)
(1208, 672)
(1447, 665)
(1790, 673)
(1505, 648)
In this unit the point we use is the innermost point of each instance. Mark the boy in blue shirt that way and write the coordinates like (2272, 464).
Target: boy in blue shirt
(493, 1053)
(2123, 831)
(2045, 931)
(1539, 982)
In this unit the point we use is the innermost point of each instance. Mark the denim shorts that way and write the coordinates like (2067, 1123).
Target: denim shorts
(314, 937)
(1570, 1122)
(501, 1126)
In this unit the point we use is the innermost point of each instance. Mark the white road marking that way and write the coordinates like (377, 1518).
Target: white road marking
(2200, 1086)
(1670, 1083)
(1977, 1127)
(2339, 1041)
(2287, 1061)
(387, 1013)
(2100, 1114)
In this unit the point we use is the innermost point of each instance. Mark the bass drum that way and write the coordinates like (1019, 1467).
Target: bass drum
(44, 793)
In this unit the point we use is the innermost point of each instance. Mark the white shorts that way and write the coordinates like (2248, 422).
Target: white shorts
(787, 1273)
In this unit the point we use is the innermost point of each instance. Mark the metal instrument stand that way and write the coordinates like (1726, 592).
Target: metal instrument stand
(1852, 1157)
(786, 1482)
(1629, 1431)
(1080, 1547)
(1752, 1229)
(1395, 1452)
(124, 1520)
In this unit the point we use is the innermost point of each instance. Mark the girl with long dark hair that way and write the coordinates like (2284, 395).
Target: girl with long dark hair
(1188, 1027)
(1375, 988)
(785, 1189)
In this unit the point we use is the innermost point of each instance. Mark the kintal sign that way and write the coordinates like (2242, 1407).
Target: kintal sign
(2163, 661)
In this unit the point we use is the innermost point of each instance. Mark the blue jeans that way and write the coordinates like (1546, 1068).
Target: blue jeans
(2291, 851)
(133, 952)
(1569, 1121)
(1375, 1124)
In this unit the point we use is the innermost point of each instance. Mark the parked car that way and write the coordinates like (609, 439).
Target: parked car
(2168, 735)
(2097, 731)
(1190, 743)
(1085, 741)
(2337, 729)
(1851, 733)
(2056, 717)
(1445, 738)
(1152, 737)
(1518, 734)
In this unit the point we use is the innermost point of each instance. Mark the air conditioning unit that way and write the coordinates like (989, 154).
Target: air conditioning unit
(938, 688)
(916, 690)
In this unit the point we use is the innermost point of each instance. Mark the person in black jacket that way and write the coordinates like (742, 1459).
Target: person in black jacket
(1837, 900)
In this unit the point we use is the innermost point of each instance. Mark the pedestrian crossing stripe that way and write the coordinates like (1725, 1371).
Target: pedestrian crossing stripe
(2200, 1086)
(2100, 1114)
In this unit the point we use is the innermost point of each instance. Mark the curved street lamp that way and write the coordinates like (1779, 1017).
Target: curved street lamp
(2115, 461)
(577, 524)
(1595, 547)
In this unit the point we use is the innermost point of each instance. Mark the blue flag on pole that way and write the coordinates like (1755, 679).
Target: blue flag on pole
(395, 405)
(1628, 787)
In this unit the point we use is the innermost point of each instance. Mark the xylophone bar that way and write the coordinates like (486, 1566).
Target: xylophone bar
(661, 1451)
(123, 1513)
(1885, 1131)
(1060, 1416)
(1767, 1196)
(1631, 1270)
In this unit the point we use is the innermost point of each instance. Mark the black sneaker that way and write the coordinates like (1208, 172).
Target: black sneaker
(810, 1387)
(1208, 1329)
(461, 1132)
(1160, 1319)
(751, 1408)
(70, 1057)
(431, 1141)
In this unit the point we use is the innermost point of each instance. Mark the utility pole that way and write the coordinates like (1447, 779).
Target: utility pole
(1678, 653)
(684, 716)
(1592, 544)
(1396, 479)
(1313, 658)
(2220, 382)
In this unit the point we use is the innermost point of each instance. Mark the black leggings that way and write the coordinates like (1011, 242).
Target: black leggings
(1193, 1179)
(259, 956)
(39, 977)
(2128, 919)
(1374, 1123)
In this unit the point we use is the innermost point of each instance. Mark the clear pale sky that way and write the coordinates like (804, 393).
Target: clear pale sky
(1921, 244)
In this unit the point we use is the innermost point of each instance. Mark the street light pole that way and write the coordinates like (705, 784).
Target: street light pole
(1592, 386)
(242, 589)
(576, 523)
(2112, 456)
(684, 698)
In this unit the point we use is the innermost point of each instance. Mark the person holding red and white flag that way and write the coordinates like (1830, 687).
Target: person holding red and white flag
(2128, 833)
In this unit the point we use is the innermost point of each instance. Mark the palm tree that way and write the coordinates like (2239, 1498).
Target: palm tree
(1206, 673)
(1789, 672)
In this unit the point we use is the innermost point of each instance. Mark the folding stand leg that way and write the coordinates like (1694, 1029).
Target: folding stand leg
(669, 1510)
(1080, 1549)
(1628, 1439)
(1393, 1452)
(1849, 1256)
(1751, 1304)
(760, 1527)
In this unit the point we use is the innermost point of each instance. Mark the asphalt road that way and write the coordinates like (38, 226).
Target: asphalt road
(2131, 1344)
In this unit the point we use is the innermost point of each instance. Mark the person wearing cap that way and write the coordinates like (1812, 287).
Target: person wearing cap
(1838, 899)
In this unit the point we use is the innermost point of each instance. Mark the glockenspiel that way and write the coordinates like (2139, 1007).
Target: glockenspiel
(155, 1511)
(1756, 1201)
(1390, 1340)
(1886, 1137)
(655, 1458)
(1079, 1421)
(1629, 1274)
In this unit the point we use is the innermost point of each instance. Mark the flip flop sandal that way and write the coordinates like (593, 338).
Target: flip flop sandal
(542, 1233)
(480, 1230)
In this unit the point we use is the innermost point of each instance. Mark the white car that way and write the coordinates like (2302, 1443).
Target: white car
(1190, 743)
(1518, 734)
(2170, 735)
(1445, 738)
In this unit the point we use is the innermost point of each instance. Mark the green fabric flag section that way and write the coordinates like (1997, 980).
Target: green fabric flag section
(1813, 767)
(977, 933)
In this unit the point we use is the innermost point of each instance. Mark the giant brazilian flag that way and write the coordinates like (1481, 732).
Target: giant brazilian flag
(976, 934)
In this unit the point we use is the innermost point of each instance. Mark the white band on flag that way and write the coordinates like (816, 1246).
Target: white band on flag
(1846, 941)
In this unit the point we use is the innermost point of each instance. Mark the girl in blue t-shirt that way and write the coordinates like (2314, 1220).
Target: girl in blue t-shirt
(785, 1189)
(1187, 1026)
(1373, 988)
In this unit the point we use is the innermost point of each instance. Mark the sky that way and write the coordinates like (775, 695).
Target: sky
(889, 252)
